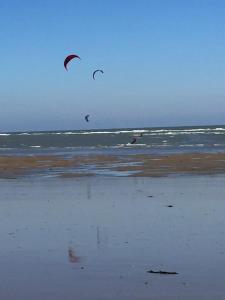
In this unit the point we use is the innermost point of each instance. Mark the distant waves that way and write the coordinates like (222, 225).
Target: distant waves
(202, 138)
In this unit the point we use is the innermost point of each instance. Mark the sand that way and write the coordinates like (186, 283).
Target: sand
(95, 238)
(126, 165)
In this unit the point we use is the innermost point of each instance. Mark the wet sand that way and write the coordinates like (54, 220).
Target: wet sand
(126, 165)
(94, 238)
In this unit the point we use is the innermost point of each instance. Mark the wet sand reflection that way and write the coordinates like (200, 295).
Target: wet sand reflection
(73, 258)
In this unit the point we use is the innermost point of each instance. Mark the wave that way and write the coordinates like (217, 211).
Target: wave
(173, 133)
(24, 133)
(145, 132)
(187, 130)
(192, 145)
(103, 132)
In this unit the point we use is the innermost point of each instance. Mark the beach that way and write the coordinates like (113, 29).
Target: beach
(97, 237)
(112, 150)
(86, 217)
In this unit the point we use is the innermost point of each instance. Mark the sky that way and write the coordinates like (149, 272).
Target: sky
(163, 63)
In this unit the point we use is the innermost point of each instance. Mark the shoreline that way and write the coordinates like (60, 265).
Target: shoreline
(134, 165)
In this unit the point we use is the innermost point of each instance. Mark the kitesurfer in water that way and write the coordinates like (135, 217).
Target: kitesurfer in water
(133, 140)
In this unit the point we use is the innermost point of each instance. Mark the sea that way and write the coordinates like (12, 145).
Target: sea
(152, 140)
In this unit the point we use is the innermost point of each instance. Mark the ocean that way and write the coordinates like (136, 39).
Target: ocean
(160, 140)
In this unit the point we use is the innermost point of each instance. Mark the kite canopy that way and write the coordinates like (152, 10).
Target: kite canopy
(69, 58)
(87, 118)
(93, 75)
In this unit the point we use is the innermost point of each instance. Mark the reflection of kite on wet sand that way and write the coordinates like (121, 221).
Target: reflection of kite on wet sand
(69, 58)
(73, 258)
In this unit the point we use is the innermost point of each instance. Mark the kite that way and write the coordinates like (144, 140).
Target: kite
(87, 118)
(69, 58)
(93, 75)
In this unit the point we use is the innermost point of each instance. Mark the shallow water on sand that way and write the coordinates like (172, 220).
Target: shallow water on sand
(95, 238)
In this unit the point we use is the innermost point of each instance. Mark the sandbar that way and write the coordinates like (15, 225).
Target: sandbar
(138, 165)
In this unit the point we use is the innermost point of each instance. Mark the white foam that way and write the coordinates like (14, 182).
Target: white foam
(24, 133)
(134, 145)
(99, 132)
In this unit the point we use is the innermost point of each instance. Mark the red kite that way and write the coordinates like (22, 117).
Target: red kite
(69, 58)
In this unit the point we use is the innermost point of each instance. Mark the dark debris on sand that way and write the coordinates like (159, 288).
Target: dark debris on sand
(162, 272)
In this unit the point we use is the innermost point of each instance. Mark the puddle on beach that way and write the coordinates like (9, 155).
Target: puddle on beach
(108, 170)
(96, 238)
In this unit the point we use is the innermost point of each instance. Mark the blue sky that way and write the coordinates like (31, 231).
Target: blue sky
(163, 62)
